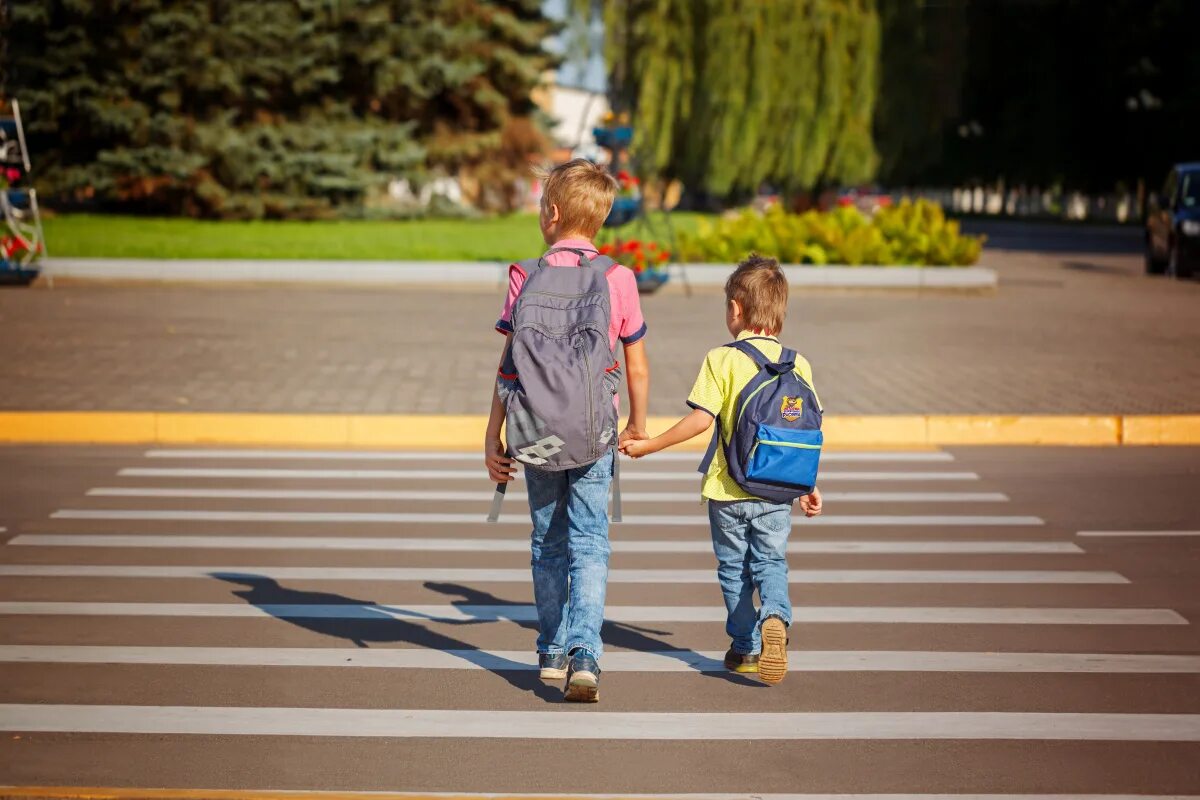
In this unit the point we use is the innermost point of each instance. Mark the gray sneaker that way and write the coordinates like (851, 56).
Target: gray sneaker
(583, 679)
(552, 666)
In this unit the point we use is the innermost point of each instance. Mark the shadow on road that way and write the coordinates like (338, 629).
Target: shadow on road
(617, 634)
(379, 624)
(265, 593)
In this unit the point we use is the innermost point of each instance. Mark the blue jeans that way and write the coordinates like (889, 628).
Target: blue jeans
(750, 542)
(570, 554)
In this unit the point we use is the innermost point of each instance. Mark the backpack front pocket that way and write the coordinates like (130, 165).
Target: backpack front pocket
(785, 457)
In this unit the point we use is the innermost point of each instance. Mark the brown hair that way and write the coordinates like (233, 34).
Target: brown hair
(584, 193)
(761, 289)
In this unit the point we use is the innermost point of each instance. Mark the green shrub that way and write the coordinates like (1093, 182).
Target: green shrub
(915, 233)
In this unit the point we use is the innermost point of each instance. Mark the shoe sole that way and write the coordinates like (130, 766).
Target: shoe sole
(773, 663)
(742, 669)
(583, 688)
(551, 674)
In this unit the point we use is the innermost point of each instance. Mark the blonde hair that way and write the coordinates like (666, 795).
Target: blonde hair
(761, 289)
(584, 193)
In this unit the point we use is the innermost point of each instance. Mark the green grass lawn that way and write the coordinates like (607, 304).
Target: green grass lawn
(506, 238)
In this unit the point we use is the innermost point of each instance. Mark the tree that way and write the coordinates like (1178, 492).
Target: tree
(1080, 94)
(728, 94)
(252, 108)
(922, 60)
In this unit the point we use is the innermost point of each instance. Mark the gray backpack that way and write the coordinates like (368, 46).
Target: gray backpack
(559, 375)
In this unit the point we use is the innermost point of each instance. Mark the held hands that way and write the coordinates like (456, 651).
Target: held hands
(810, 504)
(632, 442)
(636, 448)
(499, 466)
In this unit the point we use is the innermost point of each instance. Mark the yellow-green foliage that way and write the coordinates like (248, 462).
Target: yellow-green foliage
(915, 233)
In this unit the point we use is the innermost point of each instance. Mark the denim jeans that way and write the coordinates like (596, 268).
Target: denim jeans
(750, 542)
(570, 554)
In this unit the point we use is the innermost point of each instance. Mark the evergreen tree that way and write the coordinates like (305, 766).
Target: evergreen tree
(253, 108)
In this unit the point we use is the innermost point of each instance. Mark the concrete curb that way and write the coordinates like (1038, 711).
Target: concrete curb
(483, 273)
(465, 432)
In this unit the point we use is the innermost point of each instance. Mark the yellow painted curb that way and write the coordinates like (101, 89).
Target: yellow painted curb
(71, 427)
(465, 432)
(1025, 430)
(123, 793)
(1162, 429)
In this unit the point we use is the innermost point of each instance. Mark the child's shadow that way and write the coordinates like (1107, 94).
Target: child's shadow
(618, 634)
(377, 624)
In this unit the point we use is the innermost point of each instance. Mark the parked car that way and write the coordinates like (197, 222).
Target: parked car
(1173, 224)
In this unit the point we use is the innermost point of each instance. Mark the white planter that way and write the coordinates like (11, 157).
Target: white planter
(483, 273)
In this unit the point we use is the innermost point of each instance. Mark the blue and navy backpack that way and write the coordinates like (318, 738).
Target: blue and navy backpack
(774, 447)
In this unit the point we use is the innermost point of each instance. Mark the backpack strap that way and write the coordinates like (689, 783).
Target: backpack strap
(713, 444)
(584, 259)
(616, 486)
(786, 362)
(528, 266)
(497, 501)
(604, 264)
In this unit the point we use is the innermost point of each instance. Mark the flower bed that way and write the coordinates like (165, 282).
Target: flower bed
(909, 233)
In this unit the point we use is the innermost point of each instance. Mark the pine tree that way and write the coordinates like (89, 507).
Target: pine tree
(251, 108)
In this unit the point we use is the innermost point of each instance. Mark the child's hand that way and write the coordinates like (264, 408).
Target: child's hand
(631, 434)
(810, 504)
(499, 466)
(636, 448)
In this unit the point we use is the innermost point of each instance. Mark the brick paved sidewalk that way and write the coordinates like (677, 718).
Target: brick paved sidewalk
(1065, 333)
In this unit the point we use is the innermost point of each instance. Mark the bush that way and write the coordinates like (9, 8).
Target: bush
(908, 233)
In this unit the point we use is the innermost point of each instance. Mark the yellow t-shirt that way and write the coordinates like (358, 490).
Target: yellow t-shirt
(725, 373)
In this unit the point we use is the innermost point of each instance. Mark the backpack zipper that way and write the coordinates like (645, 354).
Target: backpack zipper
(587, 364)
(781, 444)
(746, 402)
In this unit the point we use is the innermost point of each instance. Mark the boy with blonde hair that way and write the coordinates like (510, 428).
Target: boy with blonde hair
(556, 397)
(749, 533)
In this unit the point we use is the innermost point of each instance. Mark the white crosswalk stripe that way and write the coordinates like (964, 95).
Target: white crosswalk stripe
(434, 495)
(838, 457)
(400, 518)
(148, 595)
(458, 545)
(649, 576)
(663, 661)
(478, 476)
(478, 723)
(850, 615)
(1136, 534)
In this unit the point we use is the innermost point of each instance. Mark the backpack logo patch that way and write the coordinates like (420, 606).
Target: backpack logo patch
(792, 408)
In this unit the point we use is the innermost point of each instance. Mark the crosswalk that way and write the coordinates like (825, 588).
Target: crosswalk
(308, 603)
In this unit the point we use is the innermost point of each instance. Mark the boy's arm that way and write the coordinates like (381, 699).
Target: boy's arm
(499, 466)
(690, 426)
(637, 373)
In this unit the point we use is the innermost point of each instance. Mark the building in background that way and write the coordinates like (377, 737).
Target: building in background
(575, 94)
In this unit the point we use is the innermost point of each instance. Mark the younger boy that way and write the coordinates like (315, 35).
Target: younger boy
(749, 534)
(570, 507)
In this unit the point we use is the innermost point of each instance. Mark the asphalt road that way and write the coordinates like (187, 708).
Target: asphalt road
(267, 626)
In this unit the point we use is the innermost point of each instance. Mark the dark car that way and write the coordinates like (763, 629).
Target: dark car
(1173, 224)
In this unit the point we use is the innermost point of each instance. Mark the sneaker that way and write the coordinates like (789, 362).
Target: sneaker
(772, 664)
(741, 662)
(583, 680)
(552, 666)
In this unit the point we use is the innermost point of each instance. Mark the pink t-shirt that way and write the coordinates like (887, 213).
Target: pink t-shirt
(626, 322)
